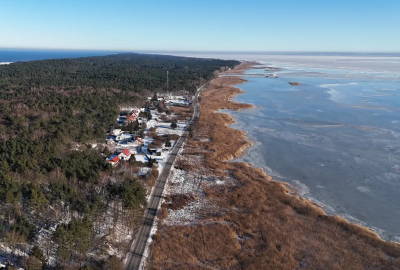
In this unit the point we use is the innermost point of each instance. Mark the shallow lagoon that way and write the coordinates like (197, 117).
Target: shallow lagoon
(335, 137)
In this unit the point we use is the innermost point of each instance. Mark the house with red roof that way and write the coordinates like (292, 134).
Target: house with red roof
(113, 160)
(132, 117)
(125, 154)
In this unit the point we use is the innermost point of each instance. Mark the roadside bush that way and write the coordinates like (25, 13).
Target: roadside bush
(113, 263)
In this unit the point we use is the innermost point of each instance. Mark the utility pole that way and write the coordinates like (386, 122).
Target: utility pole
(167, 80)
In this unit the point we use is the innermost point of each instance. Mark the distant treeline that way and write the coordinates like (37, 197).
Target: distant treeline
(125, 72)
(49, 111)
(79, 97)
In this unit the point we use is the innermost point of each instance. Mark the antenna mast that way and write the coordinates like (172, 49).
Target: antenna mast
(167, 80)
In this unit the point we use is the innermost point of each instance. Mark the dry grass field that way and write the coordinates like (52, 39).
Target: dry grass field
(264, 225)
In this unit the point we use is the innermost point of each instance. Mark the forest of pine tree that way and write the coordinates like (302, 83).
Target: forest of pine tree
(51, 111)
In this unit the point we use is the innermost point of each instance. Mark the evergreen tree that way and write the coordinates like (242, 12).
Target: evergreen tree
(72, 239)
(154, 98)
(35, 195)
(149, 116)
(174, 125)
(38, 253)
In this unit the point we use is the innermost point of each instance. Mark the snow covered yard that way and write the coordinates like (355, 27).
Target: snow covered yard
(192, 184)
(141, 158)
(165, 128)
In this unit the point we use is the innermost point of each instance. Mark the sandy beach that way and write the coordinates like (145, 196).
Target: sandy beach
(260, 224)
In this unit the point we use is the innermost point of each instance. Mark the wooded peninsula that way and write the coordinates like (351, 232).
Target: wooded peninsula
(56, 188)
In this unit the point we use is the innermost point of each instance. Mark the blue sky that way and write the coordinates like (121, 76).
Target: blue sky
(202, 25)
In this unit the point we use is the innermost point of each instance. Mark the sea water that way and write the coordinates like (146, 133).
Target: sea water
(15, 55)
(335, 137)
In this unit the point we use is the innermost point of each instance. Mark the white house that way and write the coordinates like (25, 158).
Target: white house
(123, 137)
(125, 154)
(116, 132)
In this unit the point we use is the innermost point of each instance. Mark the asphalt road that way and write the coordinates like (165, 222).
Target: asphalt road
(135, 255)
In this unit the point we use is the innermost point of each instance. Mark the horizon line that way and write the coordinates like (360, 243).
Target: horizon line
(191, 51)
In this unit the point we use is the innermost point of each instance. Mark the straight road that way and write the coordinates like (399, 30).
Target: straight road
(135, 255)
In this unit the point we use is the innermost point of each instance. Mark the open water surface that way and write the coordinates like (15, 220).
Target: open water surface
(335, 137)
(16, 55)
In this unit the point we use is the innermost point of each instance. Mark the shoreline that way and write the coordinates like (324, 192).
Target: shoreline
(297, 188)
(259, 210)
(291, 187)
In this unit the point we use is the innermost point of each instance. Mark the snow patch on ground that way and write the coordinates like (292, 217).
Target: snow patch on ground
(183, 182)
(165, 128)
(7, 254)
(185, 216)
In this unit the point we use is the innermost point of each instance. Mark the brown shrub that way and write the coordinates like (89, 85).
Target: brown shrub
(184, 164)
(152, 177)
(173, 137)
(196, 244)
(156, 143)
(178, 201)
(33, 263)
(162, 214)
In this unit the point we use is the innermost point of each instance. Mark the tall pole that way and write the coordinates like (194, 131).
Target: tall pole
(167, 80)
